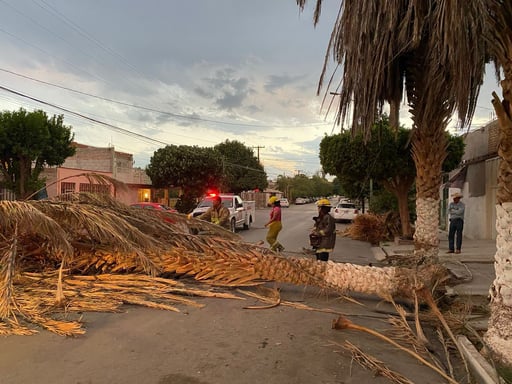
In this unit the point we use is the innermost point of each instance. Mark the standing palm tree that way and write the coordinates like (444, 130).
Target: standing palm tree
(434, 52)
(499, 334)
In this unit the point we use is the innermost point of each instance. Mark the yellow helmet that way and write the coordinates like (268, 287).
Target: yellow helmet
(323, 203)
(272, 199)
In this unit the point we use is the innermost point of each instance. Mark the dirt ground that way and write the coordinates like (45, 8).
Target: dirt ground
(223, 342)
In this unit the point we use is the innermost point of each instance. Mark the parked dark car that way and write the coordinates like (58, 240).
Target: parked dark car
(153, 206)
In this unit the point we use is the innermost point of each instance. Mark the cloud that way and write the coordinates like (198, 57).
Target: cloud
(217, 70)
(226, 88)
(276, 82)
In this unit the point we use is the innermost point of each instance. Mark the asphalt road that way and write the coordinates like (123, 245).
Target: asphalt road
(297, 223)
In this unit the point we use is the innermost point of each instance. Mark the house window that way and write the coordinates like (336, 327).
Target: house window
(95, 188)
(144, 194)
(67, 188)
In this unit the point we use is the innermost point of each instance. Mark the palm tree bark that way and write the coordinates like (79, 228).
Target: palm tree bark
(429, 144)
(428, 158)
(400, 187)
(499, 334)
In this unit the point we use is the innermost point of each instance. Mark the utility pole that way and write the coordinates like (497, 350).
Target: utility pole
(258, 151)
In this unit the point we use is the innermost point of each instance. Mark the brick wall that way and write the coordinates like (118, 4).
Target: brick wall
(494, 136)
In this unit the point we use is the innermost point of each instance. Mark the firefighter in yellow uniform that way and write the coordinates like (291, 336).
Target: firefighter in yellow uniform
(274, 225)
(217, 213)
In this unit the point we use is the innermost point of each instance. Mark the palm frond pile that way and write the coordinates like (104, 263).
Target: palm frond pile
(90, 254)
(95, 254)
(368, 227)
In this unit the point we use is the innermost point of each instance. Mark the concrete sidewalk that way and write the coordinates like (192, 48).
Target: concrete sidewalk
(473, 267)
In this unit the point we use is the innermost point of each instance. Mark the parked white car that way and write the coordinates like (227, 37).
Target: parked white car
(300, 200)
(345, 211)
(284, 203)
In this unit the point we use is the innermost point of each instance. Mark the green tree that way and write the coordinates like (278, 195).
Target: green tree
(321, 186)
(337, 189)
(29, 141)
(385, 158)
(342, 153)
(191, 168)
(284, 184)
(303, 186)
(242, 170)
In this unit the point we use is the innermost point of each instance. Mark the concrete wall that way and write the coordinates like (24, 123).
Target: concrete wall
(477, 143)
(480, 186)
(132, 176)
(92, 158)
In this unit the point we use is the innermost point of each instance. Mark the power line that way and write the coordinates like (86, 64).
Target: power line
(110, 126)
(258, 148)
(50, 9)
(149, 109)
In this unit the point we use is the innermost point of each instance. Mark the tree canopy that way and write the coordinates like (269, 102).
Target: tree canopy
(194, 169)
(303, 186)
(242, 170)
(385, 158)
(28, 142)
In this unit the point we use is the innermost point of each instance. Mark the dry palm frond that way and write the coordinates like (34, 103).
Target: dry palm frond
(29, 221)
(105, 293)
(269, 295)
(419, 330)
(380, 45)
(375, 365)
(444, 343)
(60, 327)
(344, 323)
(7, 270)
(8, 327)
(368, 227)
(435, 309)
(100, 226)
(401, 330)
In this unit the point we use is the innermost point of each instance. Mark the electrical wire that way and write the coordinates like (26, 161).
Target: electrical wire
(110, 126)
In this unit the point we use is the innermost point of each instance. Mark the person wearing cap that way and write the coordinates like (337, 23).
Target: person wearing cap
(274, 224)
(325, 228)
(456, 211)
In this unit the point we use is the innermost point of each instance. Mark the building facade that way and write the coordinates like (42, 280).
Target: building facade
(477, 180)
(114, 174)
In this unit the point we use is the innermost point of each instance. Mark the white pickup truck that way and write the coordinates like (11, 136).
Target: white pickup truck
(242, 213)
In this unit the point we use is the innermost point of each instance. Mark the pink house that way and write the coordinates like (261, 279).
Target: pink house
(103, 161)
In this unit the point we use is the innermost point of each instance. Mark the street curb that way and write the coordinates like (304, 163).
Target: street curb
(482, 371)
(379, 253)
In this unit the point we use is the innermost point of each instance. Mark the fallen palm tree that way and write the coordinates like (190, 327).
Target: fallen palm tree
(104, 239)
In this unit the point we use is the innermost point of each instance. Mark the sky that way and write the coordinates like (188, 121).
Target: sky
(140, 75)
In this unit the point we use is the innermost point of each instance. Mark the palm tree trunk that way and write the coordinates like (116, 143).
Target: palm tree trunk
(236, 264)
(499, 334)
(429, 152)
(429, 143)
(400, 187)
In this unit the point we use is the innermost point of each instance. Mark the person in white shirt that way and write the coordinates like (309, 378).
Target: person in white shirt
(456, 211)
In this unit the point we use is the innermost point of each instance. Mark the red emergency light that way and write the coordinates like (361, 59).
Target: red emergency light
(212, 193)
